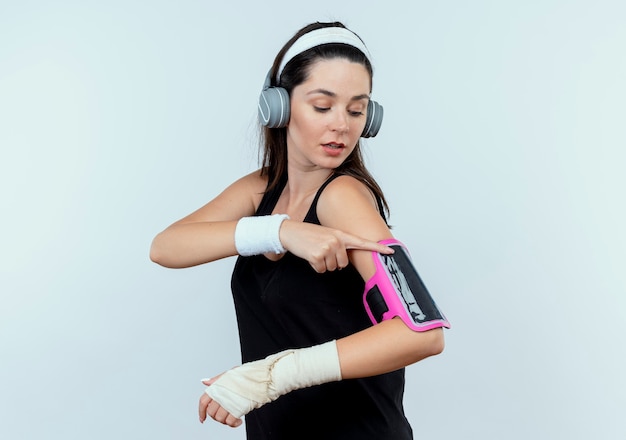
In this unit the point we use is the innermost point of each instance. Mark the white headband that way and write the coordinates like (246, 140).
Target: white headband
(319, 37)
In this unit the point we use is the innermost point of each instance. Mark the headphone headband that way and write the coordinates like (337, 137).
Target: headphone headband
(317, 38)
(274, 108)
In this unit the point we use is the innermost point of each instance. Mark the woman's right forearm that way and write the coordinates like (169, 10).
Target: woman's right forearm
(190, 244)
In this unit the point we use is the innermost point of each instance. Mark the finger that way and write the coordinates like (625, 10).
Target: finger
(224, 417)
(233, 421)
(211, 381)
(212, 409)
(342, 259)
(366, 245)
(202, 407)
(318, 267)
(318, 263)
(331, 262)
(220, 415)
(338, 260)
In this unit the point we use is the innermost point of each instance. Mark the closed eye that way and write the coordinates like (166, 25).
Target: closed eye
(321, 109)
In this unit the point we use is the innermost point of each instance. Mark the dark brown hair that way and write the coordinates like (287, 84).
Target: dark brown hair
(295, 72)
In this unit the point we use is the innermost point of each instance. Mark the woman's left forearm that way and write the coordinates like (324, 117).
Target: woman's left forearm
(386, 347)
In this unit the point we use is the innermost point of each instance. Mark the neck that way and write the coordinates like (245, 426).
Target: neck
(303, 182)
(301, 187)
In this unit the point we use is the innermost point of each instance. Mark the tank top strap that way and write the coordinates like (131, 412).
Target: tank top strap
(270, 198)
(311, 215)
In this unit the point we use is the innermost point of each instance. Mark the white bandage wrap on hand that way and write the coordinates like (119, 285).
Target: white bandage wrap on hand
(260, 234)
(254, 384)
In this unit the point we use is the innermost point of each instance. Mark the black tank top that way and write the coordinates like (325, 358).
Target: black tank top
(286, 304)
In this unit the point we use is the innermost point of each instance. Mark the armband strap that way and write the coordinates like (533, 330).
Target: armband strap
(396, 289)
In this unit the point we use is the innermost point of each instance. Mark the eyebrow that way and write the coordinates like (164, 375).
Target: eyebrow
(333, 94)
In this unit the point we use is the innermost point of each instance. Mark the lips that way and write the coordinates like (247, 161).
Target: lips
(333, 148)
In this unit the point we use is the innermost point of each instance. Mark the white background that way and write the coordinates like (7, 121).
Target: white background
(502, 155)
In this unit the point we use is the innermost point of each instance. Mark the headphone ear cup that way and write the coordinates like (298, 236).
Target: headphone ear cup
(374, 119)
(274, 107)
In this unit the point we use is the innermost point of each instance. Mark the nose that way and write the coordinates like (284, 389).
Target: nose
(339, 122)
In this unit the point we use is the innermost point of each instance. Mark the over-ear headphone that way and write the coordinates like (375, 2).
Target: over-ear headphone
(274, 108)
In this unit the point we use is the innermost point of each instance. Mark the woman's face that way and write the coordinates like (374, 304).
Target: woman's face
(328, 113)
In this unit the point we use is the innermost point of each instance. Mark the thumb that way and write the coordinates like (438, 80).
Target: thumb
(209, 381)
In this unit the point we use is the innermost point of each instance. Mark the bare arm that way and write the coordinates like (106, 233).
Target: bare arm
(347, 205)
(208, 233)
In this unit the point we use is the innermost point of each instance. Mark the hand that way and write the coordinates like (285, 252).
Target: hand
(242, 389)
(210, 407)
(324, 248)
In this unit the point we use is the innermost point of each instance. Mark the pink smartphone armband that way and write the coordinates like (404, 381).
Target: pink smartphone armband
(396, 289)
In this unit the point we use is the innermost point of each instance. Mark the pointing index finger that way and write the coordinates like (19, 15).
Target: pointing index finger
(367, 245)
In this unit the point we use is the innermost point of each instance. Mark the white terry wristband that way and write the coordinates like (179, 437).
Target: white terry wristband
(258, 235)
(254, 384)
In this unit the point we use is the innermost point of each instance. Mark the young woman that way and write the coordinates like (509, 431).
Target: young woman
(306, 227)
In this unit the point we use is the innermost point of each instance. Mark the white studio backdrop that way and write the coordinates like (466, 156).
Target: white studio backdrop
(501, 153)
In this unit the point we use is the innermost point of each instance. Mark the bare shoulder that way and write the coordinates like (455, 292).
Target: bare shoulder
(240, 199)
(347, 191)
(253, 183)
(348, 204)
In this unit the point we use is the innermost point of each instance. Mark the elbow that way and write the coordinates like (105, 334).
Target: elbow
(155, 256)
(420, 345)
(157, 253)
(424, 345)
(165, 252)
(436, 342)
(430, 343)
